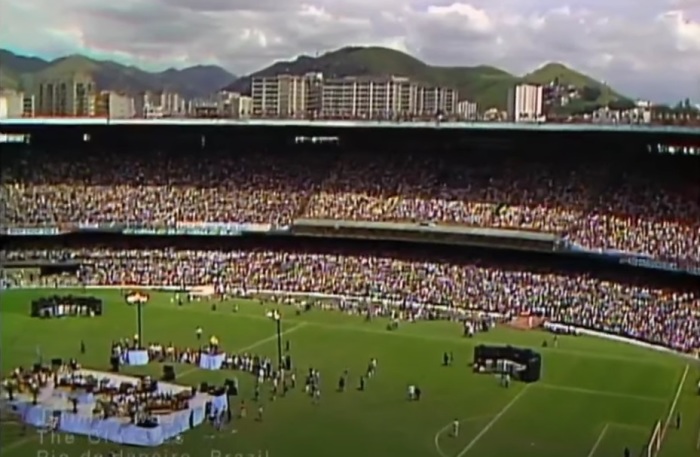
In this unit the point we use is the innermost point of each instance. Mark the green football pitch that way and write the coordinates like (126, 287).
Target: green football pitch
(596, 397)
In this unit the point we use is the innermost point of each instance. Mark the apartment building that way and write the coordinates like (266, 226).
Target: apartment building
(362, 97)
(434, 101)
(384, 98)
(369, 98)
(115, 105)
(207, 109)
(242, 106)
(286, 95)
(160, 104)
(234, 105)
(525, 103)
(11, 104)
(69, 95)
(151, 112)
(636, 115)
(28, 105)
(467, 110)
(173, 103)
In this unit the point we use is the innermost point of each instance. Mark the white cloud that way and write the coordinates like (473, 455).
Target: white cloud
(649, 48)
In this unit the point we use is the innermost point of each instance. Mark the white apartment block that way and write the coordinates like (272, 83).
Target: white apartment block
(234, 105)
(166, 104)
(350, 97)
(433, 101)
(71, 95)
(243, 106)
(285, 95)
(467, 110)
(152, 112)
(635, 115)
(29, 106)
(115, 105)
(525, 103)
(369, 98)
(384, 98)
(11, 104)
(173, 104)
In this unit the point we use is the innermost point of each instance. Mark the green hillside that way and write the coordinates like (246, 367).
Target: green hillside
(594, 93)
(487, 86)
(197, 81)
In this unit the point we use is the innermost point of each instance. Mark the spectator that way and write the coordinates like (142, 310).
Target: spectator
(652, 209)
(670, 317)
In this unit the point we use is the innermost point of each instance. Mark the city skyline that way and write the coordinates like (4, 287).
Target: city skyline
(646, 49)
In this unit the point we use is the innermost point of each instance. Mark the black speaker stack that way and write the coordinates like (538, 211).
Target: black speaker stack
(528, 362)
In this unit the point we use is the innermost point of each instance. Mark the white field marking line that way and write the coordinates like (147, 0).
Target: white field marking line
(249, 347)
(677, 397)
(439, 433)
(356, 328)
(493, 421)
(600, 393)
(18, 443)
(597, 443)
(191, 370)
(697, 443)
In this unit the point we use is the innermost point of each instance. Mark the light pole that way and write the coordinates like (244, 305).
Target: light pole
(139, 322)
(138, 299)
(278, 324)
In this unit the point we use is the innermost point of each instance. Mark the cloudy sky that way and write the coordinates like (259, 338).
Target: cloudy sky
(646, 48)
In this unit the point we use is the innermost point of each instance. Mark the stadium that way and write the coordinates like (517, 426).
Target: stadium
(346, 288)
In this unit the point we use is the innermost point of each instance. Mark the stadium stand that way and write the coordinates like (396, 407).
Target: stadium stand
(618, 199)
(657, 312)
(652, 210)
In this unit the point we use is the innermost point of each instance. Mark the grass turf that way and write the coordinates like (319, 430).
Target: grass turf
(595, 398)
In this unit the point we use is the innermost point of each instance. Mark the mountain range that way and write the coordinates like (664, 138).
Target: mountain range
(18, 72)
(488, 86)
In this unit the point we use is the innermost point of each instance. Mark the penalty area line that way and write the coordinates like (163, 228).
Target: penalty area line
(440, 432)
(493, 421)
(597, 443)
(674, 404)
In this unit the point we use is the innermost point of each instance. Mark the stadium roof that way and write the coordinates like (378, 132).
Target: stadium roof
(543, 127)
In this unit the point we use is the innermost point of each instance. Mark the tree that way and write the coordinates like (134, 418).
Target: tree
(590, 94)
(621, 105)
(576, 108)
(683, 108)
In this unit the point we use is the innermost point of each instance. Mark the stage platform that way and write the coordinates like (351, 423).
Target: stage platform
(54, 409)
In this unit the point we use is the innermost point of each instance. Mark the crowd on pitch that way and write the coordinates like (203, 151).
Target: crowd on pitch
(667, 316)
(648, 209)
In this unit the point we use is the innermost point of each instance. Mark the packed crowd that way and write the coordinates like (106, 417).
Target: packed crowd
(155, 188)
(654, 210)
(665, 316)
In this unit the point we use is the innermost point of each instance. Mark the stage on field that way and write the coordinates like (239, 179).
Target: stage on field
(113, 411)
